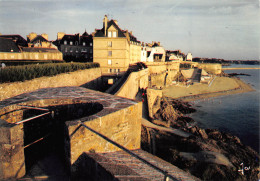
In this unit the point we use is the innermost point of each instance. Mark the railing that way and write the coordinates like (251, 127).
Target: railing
(37, 116)
(165, 173)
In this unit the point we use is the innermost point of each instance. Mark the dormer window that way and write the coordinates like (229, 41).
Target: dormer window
(71, 43)
(114, 34)
(65, 42)
(109, 34)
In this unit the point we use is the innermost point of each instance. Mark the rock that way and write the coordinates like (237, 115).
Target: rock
(203, 134)
(216, 135)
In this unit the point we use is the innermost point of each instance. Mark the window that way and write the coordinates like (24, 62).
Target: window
(45, 56)
(90, 44)
(76, 43)
(66, 49)
(90, 51)
(109, 62)
(71, 43)
(118, 70)
(109, 53)
(84, 43)
(109, 44)
(71, 50)
(109, 34)
(115, 70)
(36, 56)
(114, 33)
(110, 70)
(65, 42)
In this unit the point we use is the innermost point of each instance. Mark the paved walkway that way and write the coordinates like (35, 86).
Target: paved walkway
(138, 170)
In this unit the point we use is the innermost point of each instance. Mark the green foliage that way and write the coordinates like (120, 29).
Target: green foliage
(28, 72)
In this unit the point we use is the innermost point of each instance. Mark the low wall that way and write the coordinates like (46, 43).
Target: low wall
(214, 68)
(77, 78)
(134, 81)
(159, 67)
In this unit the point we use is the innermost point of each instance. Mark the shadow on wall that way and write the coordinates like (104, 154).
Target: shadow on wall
(56, 140)
(101, 83)
(86, 168)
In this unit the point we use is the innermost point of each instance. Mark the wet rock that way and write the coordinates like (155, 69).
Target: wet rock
(203, 134)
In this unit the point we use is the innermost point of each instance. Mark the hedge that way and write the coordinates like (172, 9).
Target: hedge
(29, 62)
(28, 72)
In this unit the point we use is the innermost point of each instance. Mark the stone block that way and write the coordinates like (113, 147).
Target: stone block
(10, 133)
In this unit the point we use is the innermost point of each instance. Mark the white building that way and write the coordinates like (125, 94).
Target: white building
(156, 53)
(188, 57)
(144, 53)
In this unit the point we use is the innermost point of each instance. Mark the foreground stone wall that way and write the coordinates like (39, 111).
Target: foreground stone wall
(12, 162)
(119, 119)
(122, 126)
(134, 81)
(77, 78)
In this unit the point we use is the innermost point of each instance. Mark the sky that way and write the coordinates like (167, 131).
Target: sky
(228, 29)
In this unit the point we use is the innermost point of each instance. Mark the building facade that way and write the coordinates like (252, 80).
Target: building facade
(75, 47)
(115, 49)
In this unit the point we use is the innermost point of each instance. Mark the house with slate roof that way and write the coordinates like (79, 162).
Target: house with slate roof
(10, 51)
(115, 49)
(75, 47)
(18, 39)
(40, 41)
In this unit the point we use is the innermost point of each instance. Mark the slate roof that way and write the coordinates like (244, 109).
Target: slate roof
(75, 38)
(101, 32)
(8, 45)
(18, 39)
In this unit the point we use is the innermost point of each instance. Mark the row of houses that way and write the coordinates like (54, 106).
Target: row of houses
(112, 47)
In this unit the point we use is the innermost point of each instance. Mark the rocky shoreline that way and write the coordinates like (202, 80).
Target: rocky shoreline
(207, 154)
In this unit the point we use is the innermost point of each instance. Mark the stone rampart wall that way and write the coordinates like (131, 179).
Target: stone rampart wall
(134, 81)
(152, 95)
(77, 78)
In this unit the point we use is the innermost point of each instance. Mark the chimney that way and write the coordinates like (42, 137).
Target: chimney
(105, 25)
(31, 36)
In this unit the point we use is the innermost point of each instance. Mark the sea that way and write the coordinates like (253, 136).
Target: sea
(237, 114)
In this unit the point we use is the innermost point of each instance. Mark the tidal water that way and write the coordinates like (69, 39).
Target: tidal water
(237, 114)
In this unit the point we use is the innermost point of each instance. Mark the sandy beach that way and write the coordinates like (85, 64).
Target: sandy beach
(219, 86)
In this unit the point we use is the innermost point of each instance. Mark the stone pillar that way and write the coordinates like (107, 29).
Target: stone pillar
(12, 162)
